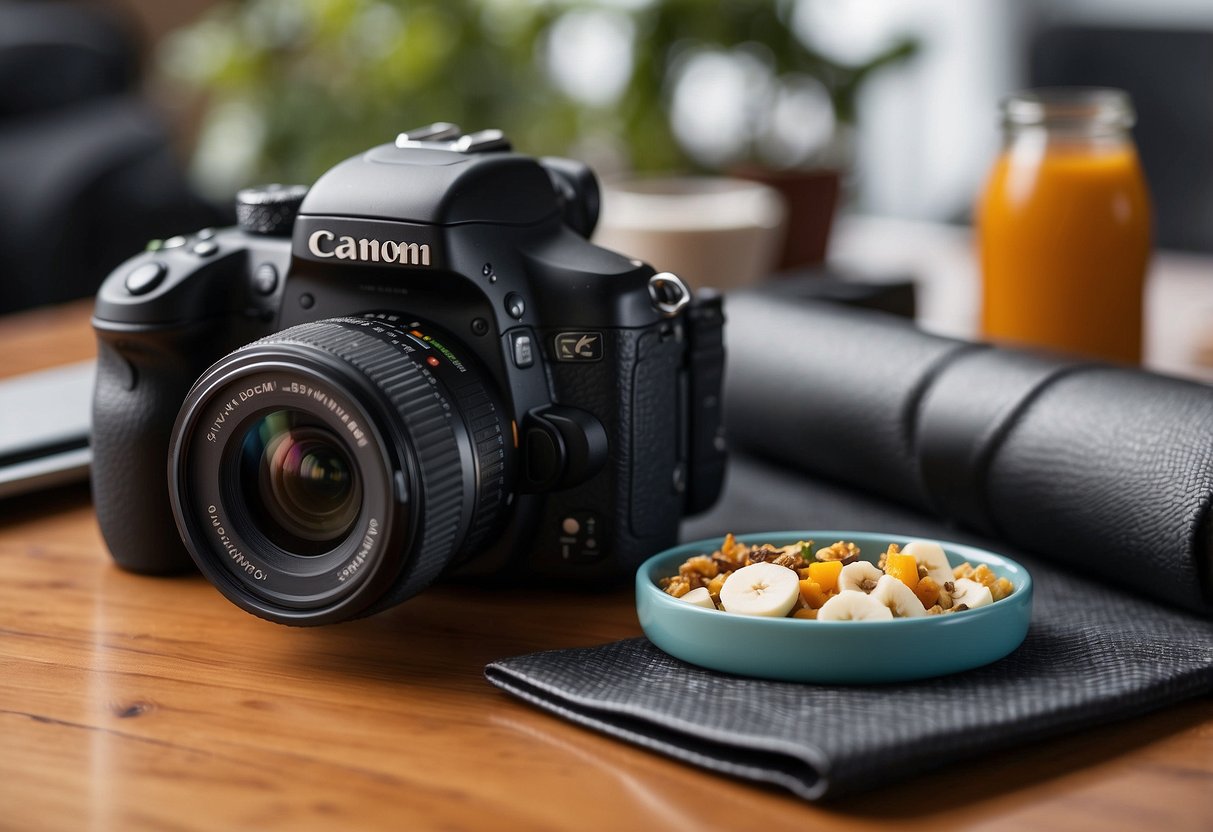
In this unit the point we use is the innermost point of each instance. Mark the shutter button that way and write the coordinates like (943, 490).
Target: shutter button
(146, 277)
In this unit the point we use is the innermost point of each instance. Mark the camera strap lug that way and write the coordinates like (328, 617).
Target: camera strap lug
(668, 293)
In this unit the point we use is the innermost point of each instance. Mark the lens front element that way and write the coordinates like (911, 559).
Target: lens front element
(299, 481)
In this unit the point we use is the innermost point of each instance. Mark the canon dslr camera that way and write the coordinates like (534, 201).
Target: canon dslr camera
(418, 365)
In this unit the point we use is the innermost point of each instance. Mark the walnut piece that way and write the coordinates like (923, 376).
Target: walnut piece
(790, 561)
(999, 587)
(677, 586)
(764, 553)
(701, 565)
(844, 551)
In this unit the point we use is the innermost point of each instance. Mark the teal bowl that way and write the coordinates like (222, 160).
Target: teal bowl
(833, 652)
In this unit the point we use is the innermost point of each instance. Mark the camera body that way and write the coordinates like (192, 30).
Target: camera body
(418, 365)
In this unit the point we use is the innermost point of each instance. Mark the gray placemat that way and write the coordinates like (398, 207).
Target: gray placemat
(1094, 654)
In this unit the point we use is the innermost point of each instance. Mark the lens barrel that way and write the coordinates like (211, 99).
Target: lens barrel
(338, 467)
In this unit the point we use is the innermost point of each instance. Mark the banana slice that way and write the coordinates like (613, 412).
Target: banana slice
(932, 556)
(761, 589)
(971, 593)
(898, 597)
(699, 597)
(854, 605)
(860, 576)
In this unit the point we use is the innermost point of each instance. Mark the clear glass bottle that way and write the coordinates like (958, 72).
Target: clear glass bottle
(1064, 226)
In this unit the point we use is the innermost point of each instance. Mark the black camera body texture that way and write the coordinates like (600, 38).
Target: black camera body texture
(485, 390)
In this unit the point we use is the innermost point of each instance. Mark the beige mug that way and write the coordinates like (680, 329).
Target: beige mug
(711, 231)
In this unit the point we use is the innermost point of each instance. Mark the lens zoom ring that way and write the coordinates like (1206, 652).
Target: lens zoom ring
(435, 447)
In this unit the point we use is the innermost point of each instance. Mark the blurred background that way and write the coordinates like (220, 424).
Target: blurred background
(122, 120)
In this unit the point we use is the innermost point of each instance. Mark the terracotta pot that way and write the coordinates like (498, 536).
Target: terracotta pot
(712, 231)
(811, 198)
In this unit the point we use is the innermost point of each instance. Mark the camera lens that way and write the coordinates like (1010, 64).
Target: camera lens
(338, 467)
(299, 480)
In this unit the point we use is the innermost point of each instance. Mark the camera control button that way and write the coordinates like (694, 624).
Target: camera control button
(265, 279)
(205, 234)
(146, 277)
(579, 540)
(205, 248)
(173, 242)
(522, 349)
(269, 210)
(515, 306)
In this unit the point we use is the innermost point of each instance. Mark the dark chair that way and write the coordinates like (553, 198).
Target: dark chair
(87, 174)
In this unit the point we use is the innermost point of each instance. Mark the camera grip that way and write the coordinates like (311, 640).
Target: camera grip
(142, 379)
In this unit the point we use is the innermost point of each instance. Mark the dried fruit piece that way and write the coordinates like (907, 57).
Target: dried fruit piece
(927, 592)
(812, 593)
(825, 573)
(733, 552)
(883, 560)
(716, 583)
(729, 546)
(932, 556)
(805, 613)
(903, 567)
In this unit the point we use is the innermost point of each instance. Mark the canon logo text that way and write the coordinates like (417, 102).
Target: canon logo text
(320, 243)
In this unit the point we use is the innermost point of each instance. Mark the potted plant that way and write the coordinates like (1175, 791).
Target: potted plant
(290, 88)
(793, 126)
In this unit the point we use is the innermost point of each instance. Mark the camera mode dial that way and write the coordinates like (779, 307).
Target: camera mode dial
(269, 210)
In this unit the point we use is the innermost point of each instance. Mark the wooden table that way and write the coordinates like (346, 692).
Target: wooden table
(137, 703)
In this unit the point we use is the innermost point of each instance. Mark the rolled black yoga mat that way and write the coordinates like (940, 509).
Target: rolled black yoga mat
(1103, 468)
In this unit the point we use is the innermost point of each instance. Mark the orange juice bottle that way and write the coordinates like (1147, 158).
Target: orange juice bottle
(1064, 226)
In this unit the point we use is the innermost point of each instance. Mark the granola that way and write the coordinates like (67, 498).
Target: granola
(832, 583)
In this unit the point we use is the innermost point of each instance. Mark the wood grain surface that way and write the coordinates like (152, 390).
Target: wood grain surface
(129, 702)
